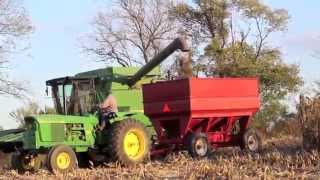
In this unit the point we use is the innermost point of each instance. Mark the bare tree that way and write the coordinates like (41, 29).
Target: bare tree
(15, 26)
(131, 33)
(32, 108)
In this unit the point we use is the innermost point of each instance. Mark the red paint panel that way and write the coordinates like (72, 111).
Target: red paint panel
(208, 95)
(180, 105)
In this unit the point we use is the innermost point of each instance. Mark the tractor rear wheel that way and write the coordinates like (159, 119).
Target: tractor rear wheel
(129, 142)
(62, 159)
(251, 141)
(197, 145)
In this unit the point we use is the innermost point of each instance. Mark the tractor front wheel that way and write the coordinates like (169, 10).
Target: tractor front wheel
(129, 142)
(62, 159)
(197, 145)
(251, 141)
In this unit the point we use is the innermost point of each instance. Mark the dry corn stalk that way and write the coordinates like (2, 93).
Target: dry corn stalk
(309, 117)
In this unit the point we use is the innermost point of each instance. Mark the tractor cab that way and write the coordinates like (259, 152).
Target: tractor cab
(80, 94)
(73, 95)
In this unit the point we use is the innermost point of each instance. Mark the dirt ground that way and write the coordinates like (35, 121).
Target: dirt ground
(281, 158)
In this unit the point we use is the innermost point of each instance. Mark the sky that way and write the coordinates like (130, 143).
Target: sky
(302, 40)
(60, 24)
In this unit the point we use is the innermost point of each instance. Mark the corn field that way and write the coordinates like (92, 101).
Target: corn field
(281, 158)
(285, 157)
(309, 118)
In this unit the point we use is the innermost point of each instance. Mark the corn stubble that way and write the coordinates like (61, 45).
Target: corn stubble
(281, 158)
(286, 157)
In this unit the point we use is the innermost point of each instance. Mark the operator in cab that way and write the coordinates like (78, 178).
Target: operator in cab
(108, 110)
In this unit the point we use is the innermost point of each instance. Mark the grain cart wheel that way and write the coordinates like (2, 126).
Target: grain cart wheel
(62, 159)
(197, 145)
(25, 162)
(129, 142)
(251, 141)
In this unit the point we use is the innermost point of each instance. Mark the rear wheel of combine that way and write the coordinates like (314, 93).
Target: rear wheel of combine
(25, 162)
(197, 145)
(129, 142)
(251, 141)
(62, 159)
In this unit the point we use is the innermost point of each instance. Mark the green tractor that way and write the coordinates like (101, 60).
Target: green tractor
(70, 138)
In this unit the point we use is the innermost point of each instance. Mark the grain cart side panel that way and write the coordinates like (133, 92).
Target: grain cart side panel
(217, 97)
(209, 105)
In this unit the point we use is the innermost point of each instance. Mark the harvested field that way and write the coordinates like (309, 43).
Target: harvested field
(281, 158)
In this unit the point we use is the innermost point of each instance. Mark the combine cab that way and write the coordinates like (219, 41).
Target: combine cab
(80, 94)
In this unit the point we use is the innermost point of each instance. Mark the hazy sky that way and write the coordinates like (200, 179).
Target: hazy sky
(59, 25)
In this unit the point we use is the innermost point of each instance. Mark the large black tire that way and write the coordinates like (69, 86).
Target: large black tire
(129, 142)
(197, 145)
(251, 141)
(62, 159)
(25, 162)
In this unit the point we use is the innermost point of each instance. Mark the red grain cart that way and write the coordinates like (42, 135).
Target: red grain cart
(197, 114)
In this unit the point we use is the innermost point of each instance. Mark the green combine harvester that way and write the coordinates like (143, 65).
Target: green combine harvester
(70, 138)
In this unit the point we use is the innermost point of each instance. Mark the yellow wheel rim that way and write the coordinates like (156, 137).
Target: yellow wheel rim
(134, 144)
(63, 160)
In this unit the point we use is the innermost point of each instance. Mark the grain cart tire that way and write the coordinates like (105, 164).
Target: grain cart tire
(197, 145)
(251, 141)
(25, 162)
(62, 159)
(129, 142)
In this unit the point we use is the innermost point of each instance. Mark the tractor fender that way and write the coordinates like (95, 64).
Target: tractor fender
(138, 116)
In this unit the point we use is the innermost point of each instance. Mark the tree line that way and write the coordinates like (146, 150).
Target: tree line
(229, 38)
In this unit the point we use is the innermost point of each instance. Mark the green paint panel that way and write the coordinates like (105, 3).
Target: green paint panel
(76, 131)
(129, 100)
(58, 132)
(116, 72)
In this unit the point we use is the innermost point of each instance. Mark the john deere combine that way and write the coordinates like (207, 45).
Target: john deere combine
(62, 141)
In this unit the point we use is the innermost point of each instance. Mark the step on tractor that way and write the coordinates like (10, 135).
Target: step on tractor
(154, 117)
